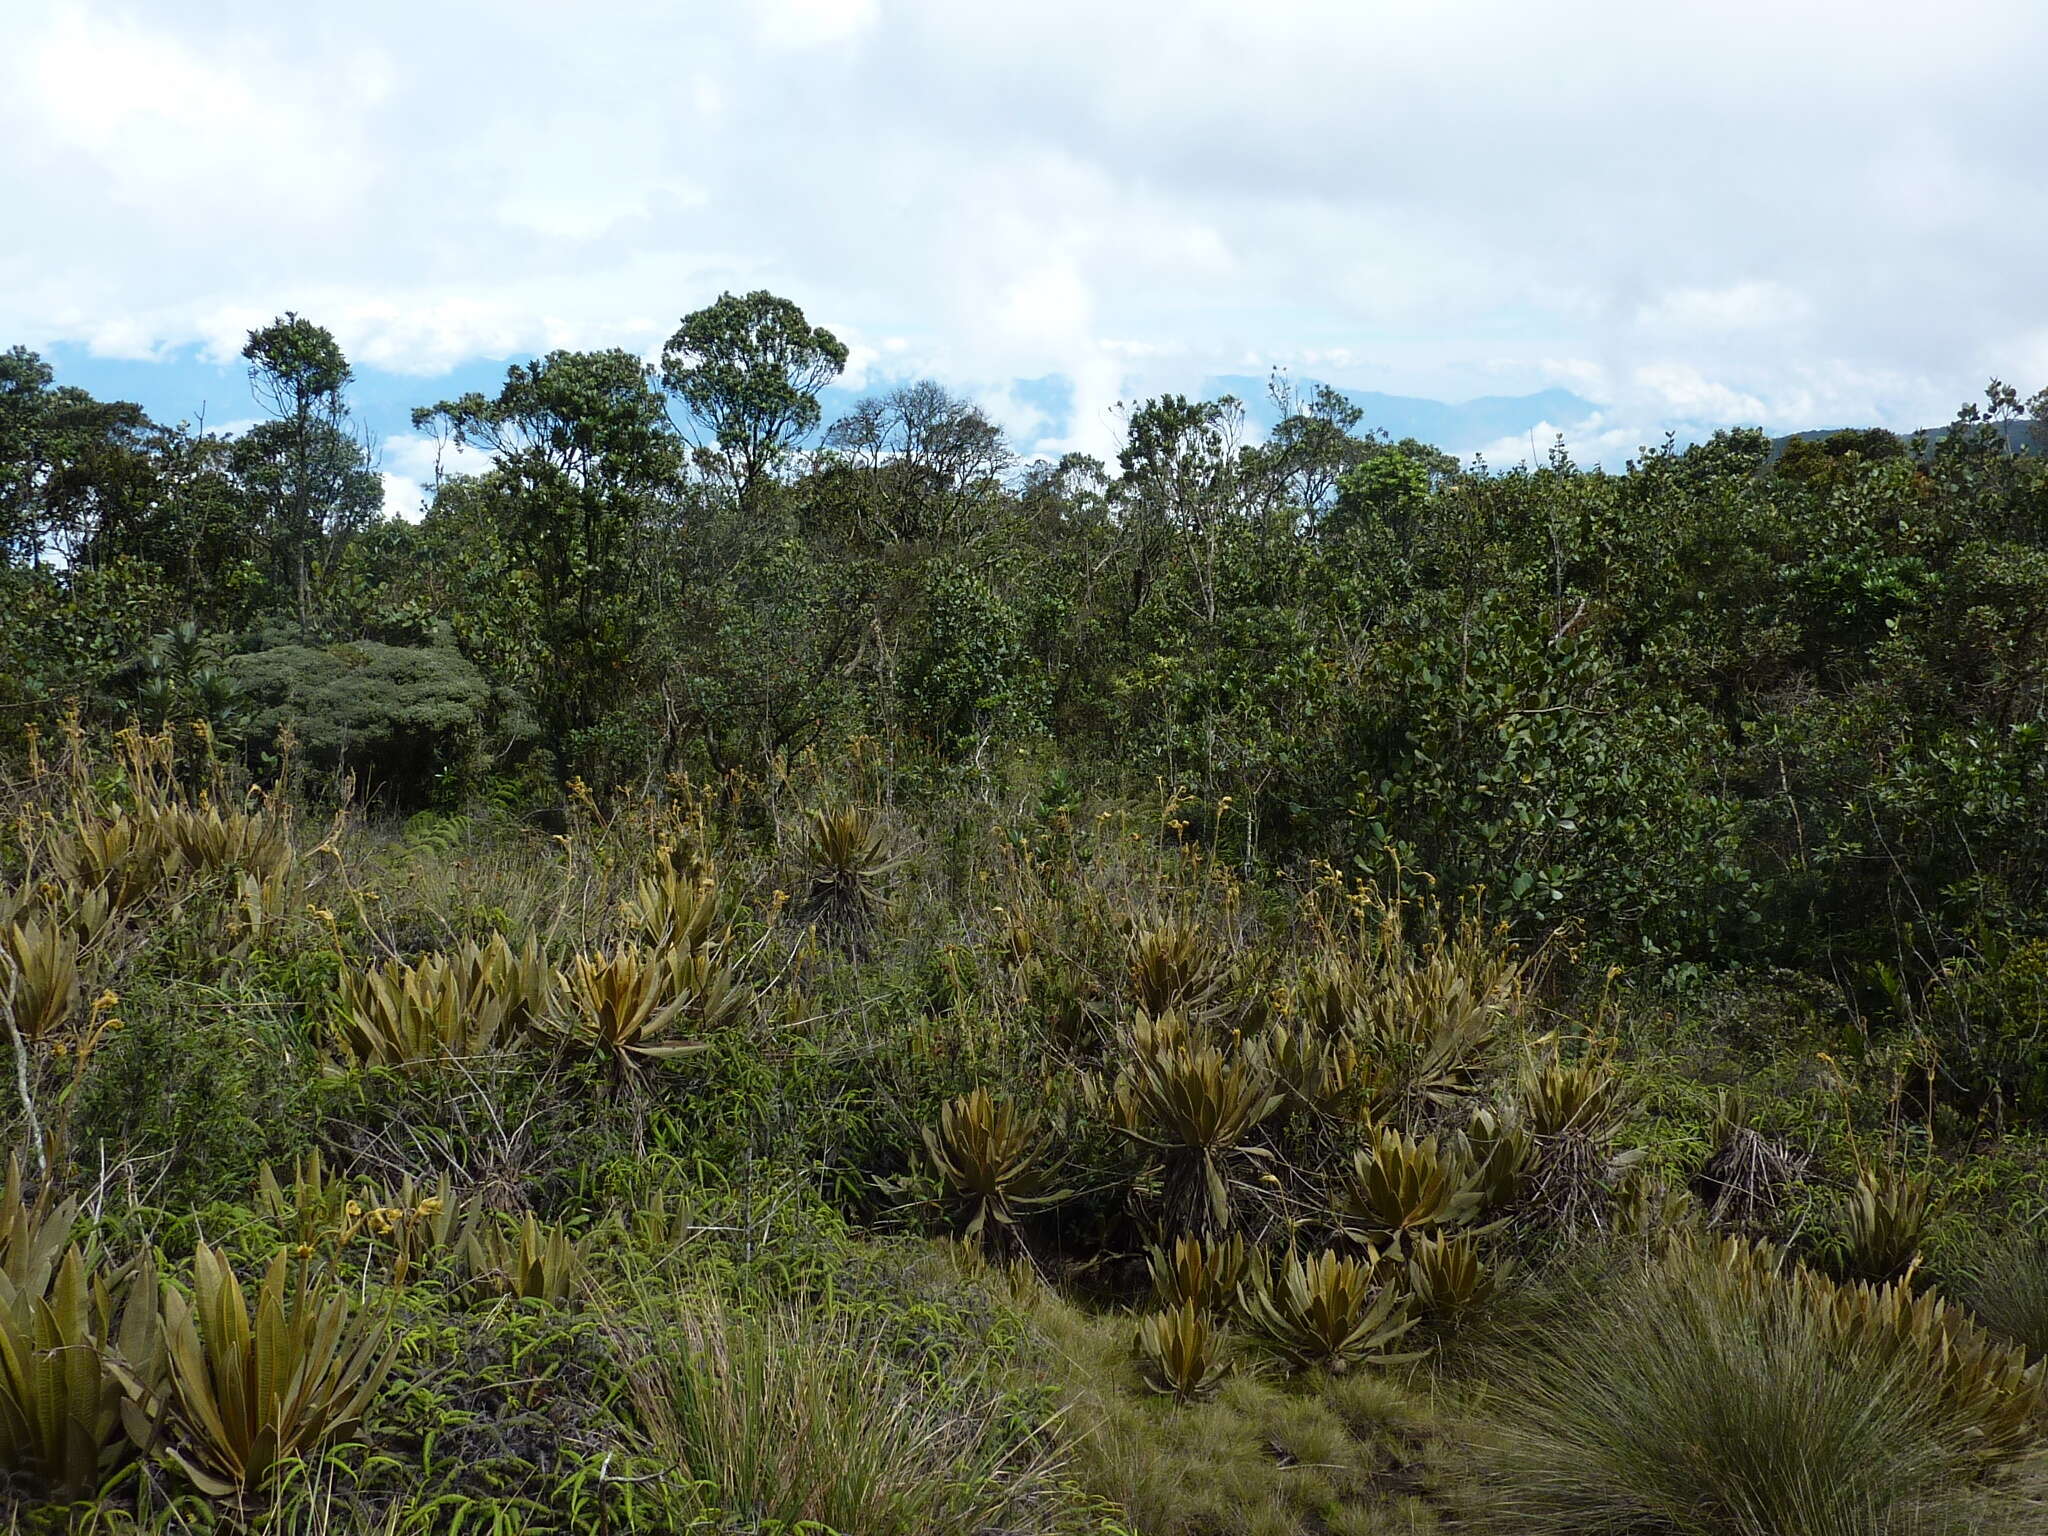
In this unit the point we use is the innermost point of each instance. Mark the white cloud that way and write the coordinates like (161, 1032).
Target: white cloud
(811, 23)
(1779, 208)
(1706, 312)
(410, 463)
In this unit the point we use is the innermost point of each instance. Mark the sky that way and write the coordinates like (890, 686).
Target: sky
(1792, 214)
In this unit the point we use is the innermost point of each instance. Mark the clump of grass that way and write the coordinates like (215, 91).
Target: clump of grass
(1321, 1454)
(1705, 1397)
(792, 1420)
(2008, 1290)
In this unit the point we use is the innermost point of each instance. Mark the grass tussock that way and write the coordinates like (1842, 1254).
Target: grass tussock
(1688, 1398)
(794, 1419)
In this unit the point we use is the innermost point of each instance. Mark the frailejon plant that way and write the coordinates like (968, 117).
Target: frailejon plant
(533, 1262)
(1202, 1272)
(849, 858)
(1194, 1106)
(33, 1234)
(409, 1016)
(1401, 1185)
(673, 909)
(1330, 1311)
(623, 1005)
(1573, 1112)
(1447, 1278)
(204, 840)
(1174, 968)
(441, 1007)
(63, 1360)
(990, 1156)
(1183, 1352)
(1496, 1148)
(39, 985)
(247, 1392)
(122, 855)
(1883, 1223)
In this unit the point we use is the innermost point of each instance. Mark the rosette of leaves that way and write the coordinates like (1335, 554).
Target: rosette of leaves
(1424, 1026)
(38, 977)
(1175, 968)
(505, 989)
(1496, 1148)
(1194, 1106)
(409, 1016)
(990, 1156)
(1182, 1348)
(1447, 1278)
(443, 1007)
(673, 909)
(123, 855)
(203, 839)
(246, 1391)
(1882, 1225)
(1402, 1185)
(622, 1006)
(1203, 1272)
(33, 1234)
(535, 1261)
(66, 1349)
(1573, 1114)
(1584, 1099)
(848, 854)
(1310, 1072)
(1330, 1312)
(1989, 1384)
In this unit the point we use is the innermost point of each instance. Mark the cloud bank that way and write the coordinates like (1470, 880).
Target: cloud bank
(1794, 213)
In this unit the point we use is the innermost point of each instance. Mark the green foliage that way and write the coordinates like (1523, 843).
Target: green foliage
(399, 717)
(1329, 1312)
(247, 1392)
(1716, 1394)
(750, 369)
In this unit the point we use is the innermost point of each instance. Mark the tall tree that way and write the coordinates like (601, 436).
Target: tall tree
(928, 455)
(311, 468)
(584, 454)
(750, 370)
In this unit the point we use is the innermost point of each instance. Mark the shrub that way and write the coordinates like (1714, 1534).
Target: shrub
(397, 716)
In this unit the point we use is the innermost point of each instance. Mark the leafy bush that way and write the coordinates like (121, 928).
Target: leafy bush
(399, 717)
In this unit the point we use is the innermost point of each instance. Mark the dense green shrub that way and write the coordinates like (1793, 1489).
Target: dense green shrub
(401, 718)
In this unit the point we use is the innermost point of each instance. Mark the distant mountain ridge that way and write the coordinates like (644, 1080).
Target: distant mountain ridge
(2020, 436)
